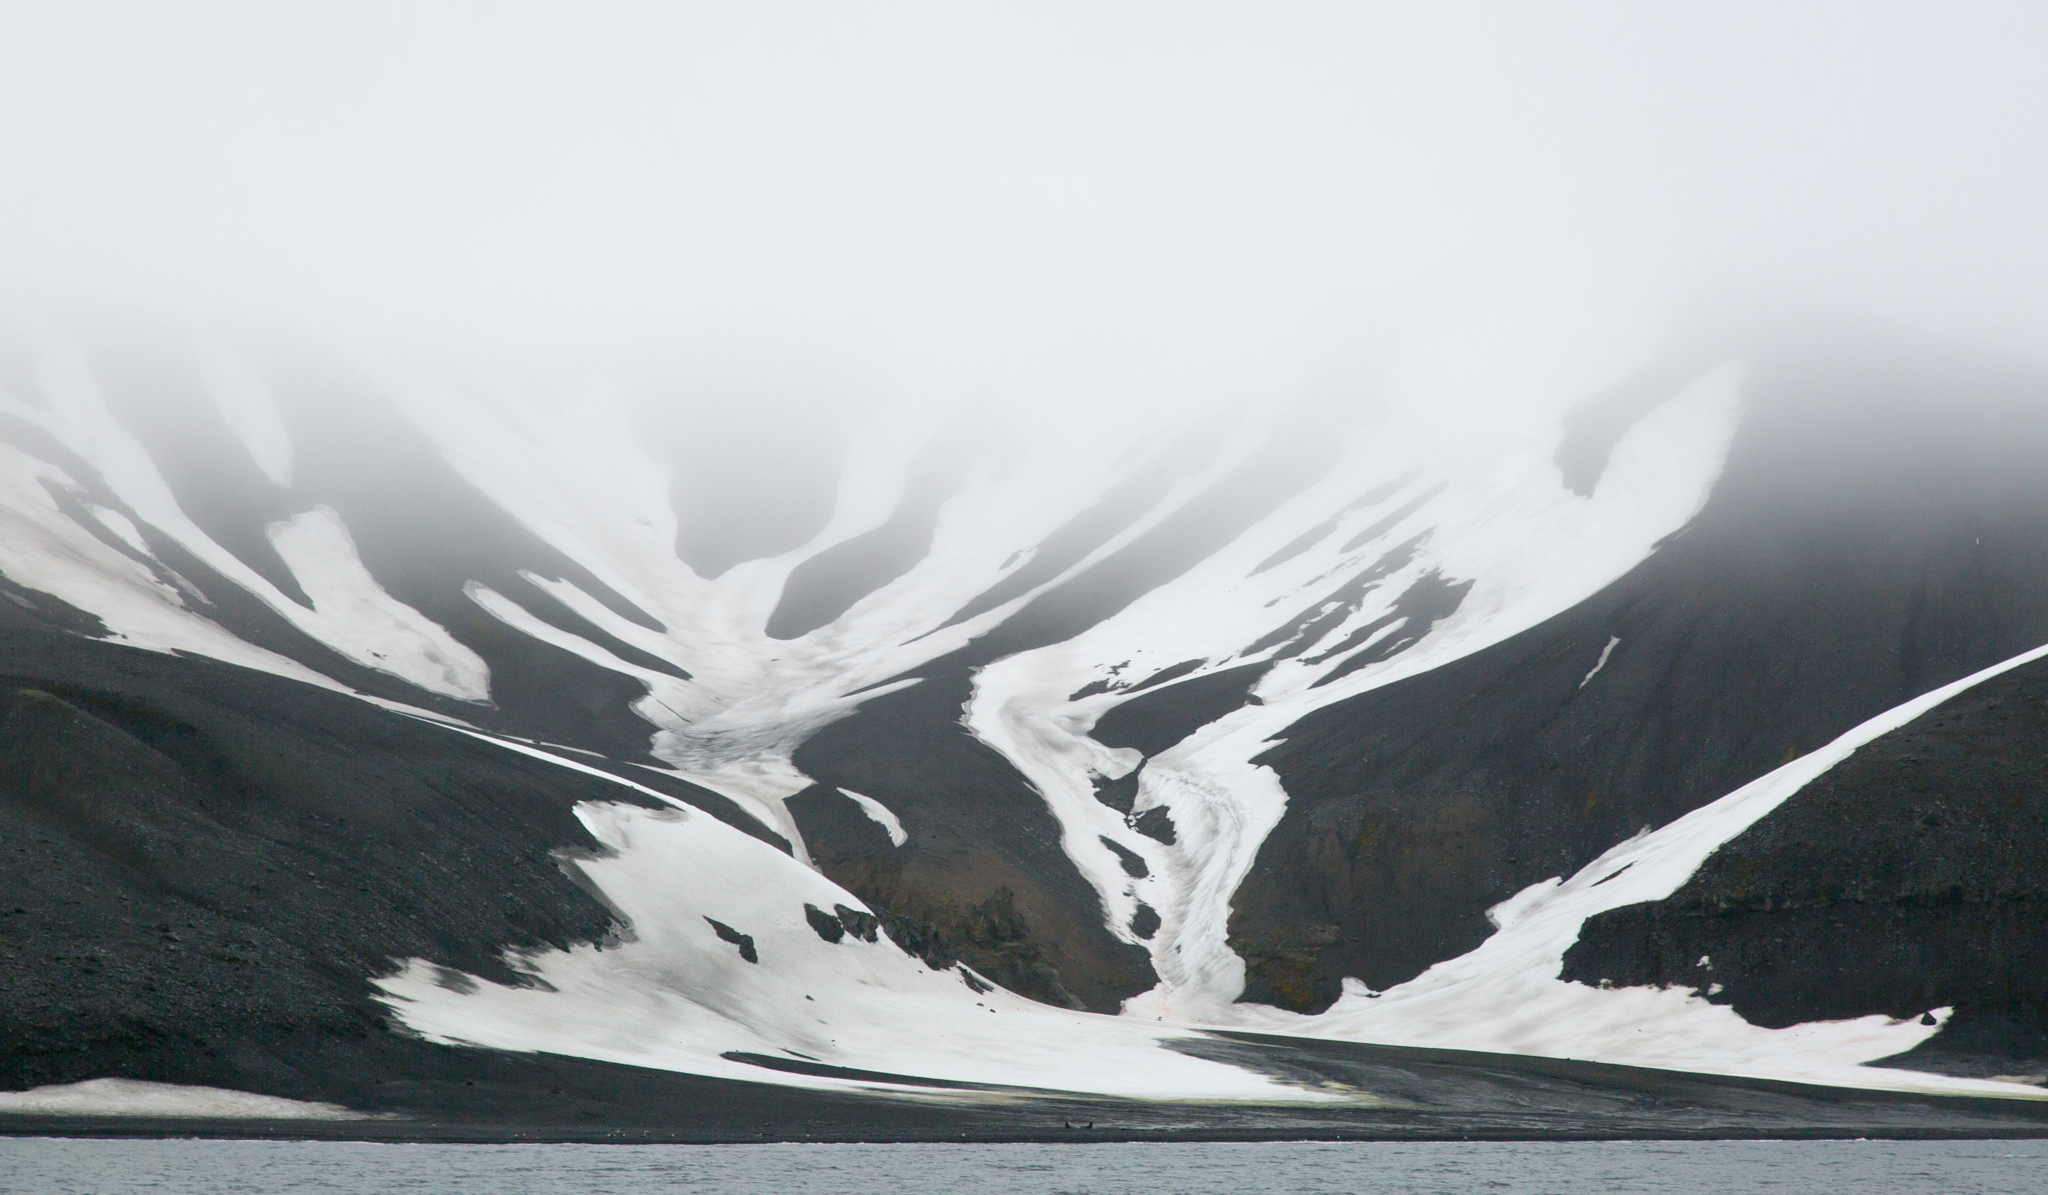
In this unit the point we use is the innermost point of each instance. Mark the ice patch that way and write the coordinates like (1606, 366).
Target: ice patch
(123, 528)
(133, 1097)
(42, 548)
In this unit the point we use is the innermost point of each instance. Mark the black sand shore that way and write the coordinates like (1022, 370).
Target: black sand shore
(1386, 1093)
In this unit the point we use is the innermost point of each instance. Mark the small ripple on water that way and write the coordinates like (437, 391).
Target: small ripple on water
(60, 1166)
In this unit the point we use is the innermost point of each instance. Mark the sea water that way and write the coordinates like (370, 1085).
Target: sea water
(66, 1166)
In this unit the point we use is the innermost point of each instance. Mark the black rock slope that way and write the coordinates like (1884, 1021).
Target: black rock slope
(981, 869)
(205, 865)
(1911, 876)
(421, 530)
(1879, 530)
(983, 873)
(202, 865)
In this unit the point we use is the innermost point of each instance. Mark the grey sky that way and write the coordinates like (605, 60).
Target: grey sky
(1033, 202)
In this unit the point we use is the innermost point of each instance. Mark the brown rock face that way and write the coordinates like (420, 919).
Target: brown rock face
(981, 876)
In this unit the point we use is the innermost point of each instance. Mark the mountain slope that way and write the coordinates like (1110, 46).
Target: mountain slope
(1880, 529)
(1910, 877)
(204, 860)
(1280, 714)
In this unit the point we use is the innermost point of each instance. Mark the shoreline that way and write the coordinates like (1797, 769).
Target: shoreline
(472, 1096)
(138, 1128)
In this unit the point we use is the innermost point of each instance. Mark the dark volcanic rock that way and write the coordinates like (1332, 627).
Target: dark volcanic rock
(448, 1093)
(1119, 794)
(197, 860)
(24, 609)
(983, 868)
(841, 921)
(1156, 719)
(1432, 598)
(920, 940)
(1132, 862)
(860, 925)
(745, 942)
(982, 875)
(1334, 608)
(1911, 876)
(1155, 823)
(826, 924)
(1865, 544)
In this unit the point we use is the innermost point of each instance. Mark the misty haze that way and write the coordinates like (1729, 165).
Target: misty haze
(1065, 573)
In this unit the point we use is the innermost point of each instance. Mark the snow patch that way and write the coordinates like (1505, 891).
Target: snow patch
(1613, 641)
(881, 816)
(133, 1097)
(43, 549)
(679, 997)
(1506, 996)
(1530, 548)
(354, 615)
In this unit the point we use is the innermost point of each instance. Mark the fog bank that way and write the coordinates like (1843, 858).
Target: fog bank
(1032, 207)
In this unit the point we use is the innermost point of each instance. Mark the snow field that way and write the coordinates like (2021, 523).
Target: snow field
(673, 994)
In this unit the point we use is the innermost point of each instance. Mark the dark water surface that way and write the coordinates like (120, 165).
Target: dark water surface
(65, 1166)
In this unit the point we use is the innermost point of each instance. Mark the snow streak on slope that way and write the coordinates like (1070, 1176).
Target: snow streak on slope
(881, 816)
(1394, 561)
(723, 971)
(1525, 547)
(107, 565)
(572, 472)
(1506, 995)
(100, 567)
(361, 621)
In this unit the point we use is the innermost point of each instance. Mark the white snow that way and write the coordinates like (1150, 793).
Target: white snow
(123, 527)
(880, 815)
(42, 548)
(355, 616)
(133, 1097)
(570, 468)
(1530, 548)
(1613, 641)
(1506, 995)
(675, 996)
(359, 620)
